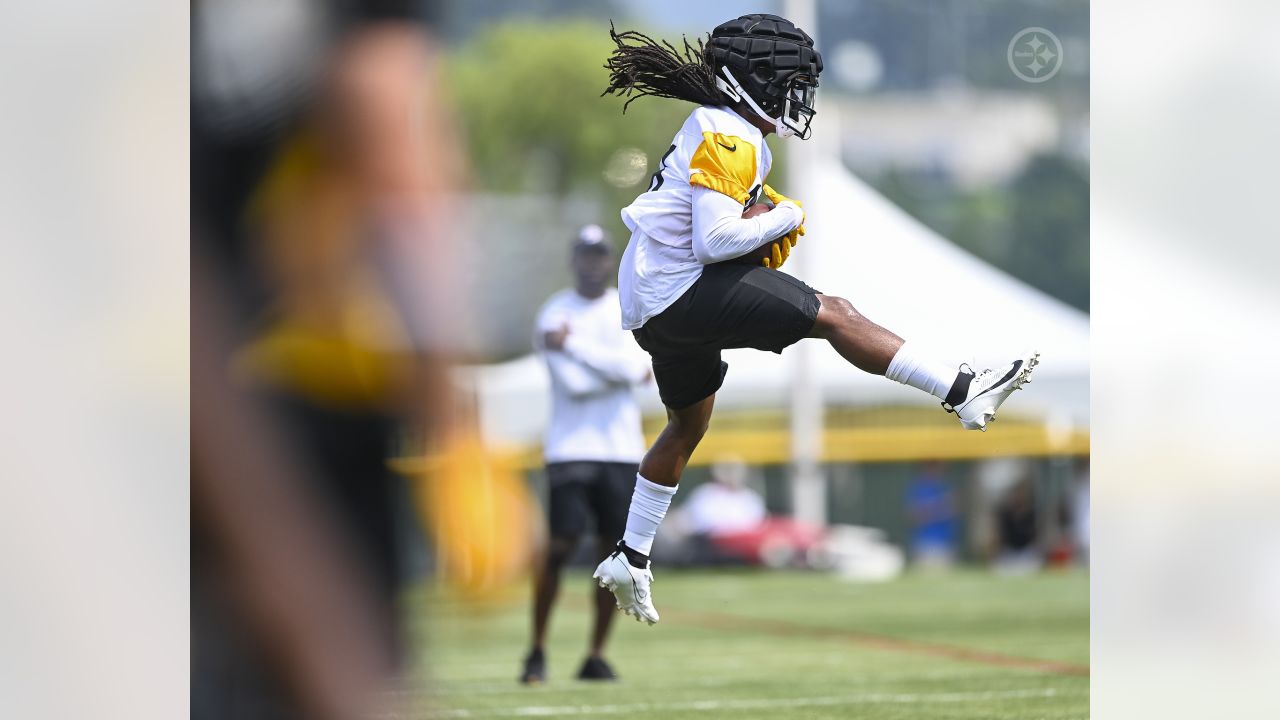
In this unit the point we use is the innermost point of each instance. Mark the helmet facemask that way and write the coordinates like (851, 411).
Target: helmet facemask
(797, 106)
(791, 115)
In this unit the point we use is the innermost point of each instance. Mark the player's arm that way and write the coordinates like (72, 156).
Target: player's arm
(722, 171)
(720, 232)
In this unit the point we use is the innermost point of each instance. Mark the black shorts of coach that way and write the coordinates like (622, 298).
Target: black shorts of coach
(585, 491)
(730, 306)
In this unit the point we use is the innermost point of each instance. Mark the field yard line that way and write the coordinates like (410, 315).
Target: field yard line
(445, 688)
(756, 704)
(782, 628)
(512, 687)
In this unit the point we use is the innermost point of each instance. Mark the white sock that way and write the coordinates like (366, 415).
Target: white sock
(910, 368)
(649, 505)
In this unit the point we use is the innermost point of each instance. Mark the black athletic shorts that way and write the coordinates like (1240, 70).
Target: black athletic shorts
(730, 306)
(601, 490)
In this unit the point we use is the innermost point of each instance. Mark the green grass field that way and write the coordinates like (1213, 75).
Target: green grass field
(747, 645)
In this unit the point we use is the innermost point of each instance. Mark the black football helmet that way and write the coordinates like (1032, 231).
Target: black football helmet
(771, 64)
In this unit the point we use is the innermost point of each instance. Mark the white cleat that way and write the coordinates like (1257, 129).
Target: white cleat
(989, 389)
(629, 585)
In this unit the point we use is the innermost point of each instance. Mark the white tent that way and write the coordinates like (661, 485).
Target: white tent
(895, 271)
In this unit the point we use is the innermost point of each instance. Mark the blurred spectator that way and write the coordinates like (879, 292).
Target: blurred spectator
(724, 505)
(724, 522)
(934, 521)
(594, 442)
(1017, 530)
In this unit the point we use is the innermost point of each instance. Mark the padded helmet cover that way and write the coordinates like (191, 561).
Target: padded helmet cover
(766, 53)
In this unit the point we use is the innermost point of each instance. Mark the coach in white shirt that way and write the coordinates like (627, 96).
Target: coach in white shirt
(594, 442)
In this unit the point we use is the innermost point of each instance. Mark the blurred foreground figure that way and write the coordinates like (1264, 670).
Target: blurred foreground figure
(319, 158)
(700, 274)
(594, 441)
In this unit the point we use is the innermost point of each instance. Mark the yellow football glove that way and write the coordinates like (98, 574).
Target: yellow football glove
(781, 250)
(776, 197)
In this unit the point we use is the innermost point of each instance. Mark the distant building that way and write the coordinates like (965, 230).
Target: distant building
(974, 138)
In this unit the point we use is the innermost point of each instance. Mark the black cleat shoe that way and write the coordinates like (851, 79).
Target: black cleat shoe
(535, 668)
(594, 668)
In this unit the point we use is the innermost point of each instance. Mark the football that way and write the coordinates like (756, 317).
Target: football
(757, 256)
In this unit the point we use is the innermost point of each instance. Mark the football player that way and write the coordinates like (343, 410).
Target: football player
(684, 300)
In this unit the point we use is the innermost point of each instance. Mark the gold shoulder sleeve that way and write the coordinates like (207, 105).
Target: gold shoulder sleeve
(726, 164)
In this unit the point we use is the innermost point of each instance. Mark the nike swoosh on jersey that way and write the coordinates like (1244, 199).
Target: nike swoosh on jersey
(715, 166)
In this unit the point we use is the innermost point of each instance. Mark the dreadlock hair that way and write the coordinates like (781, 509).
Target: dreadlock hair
(640, 66)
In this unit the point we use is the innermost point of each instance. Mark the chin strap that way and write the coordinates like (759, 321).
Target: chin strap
(730, 86)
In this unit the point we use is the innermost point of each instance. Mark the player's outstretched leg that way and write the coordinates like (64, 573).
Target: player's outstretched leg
(974, 398)
(626, 572)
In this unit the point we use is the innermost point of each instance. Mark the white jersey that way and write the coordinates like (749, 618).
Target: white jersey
(715, 149)
(593, 414)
